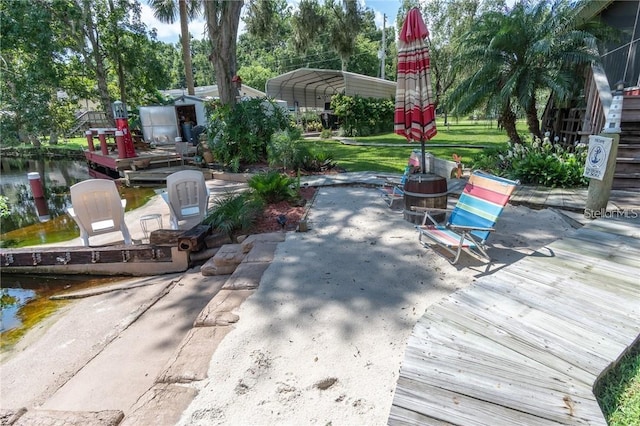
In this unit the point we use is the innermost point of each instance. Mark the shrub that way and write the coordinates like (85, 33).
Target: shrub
(272, 187)
(240, 133)
(363, 116)
(537, 162)
(326, 134)
(317, 159)
(233, 213)
(5, 211)
(285, 149)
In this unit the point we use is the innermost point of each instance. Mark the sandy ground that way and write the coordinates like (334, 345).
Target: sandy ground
(322, 339)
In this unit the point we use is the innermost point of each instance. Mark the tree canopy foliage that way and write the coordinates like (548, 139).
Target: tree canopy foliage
(485, 55)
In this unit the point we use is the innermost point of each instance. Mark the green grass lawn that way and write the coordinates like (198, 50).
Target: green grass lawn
(383, 158)
(618, 392)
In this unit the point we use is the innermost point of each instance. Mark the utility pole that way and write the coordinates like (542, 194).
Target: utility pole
(382, 53)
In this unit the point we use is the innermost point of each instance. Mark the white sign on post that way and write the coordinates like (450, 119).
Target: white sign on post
(598, 154)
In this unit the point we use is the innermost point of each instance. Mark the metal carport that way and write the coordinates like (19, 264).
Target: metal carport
(312, 88)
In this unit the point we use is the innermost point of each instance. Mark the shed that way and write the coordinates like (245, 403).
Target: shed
(313, 88)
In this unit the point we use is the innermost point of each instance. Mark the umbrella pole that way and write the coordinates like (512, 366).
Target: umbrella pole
(424, 157)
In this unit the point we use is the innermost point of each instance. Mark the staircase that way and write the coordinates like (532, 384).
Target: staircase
(89, 119)
(627, 173)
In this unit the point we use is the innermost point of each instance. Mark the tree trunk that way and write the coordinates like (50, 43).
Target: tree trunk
(53, 138)
(223, 18)
(186, 47)
(508, 120)
(101, 74)
(532, 120)
(118, 57)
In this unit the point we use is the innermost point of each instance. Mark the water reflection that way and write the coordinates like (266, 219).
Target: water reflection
(11, 300)
(56, 178)
(25, 225)
(25, 300)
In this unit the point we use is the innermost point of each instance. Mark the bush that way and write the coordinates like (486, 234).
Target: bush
(272, 187)
(363, 116)
(285, 150)
(234, 213)
(317, 159)
(537, 163)
(240, 133)
(326, 134)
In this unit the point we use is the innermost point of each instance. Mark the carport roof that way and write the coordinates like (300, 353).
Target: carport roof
(312, 88)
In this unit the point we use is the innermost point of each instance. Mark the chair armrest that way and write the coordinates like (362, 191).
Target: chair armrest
(470, 228)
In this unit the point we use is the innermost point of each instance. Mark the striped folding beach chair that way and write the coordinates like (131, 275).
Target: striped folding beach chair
(472, 220)
(394, 191)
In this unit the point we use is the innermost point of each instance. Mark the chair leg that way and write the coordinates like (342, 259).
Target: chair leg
(479, 252)
(126, 235)
(455, 254)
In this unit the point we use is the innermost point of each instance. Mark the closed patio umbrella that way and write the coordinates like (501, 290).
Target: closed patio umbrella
(415, 116)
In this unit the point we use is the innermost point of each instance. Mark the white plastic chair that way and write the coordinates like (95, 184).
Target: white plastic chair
(188, 198)
(98, 209)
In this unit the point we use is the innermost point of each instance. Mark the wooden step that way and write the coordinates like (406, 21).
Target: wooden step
(627, 181)
(626, 150)
(627, 165)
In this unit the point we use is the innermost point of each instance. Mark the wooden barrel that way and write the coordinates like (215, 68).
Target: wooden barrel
(424, 190)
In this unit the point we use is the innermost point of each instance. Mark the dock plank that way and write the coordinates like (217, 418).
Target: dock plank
(499, 381)
(587, 290)
(606, 275)
(527, 344)
(544, 338)
(551, 300)
(452, 408)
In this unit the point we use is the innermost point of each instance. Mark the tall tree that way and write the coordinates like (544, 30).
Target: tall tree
(338, 21)
(93, 14)
(345, 23)
(223, 20)
(36, 37)
(185, 10)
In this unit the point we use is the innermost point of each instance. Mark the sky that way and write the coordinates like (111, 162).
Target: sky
(170, 33)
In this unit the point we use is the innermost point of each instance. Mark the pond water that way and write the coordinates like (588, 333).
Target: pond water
(25, 298)
(23, 225)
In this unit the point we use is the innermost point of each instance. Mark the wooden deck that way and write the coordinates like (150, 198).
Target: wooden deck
(572, 199)
(527, 344)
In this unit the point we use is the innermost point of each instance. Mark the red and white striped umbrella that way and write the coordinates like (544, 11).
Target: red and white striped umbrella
(415, 116)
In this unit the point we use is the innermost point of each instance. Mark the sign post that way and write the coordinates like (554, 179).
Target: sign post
(601, 160)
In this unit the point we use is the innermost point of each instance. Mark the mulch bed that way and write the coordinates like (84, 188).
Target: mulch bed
(268, 222)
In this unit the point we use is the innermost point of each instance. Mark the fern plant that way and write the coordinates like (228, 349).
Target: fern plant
(272, 187)
(233, 213)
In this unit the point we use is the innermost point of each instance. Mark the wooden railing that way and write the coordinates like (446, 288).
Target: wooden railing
(598, 99)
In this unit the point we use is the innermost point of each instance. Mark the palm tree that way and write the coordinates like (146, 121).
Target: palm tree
(165, 11)
(534, 46)
(482, 51)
